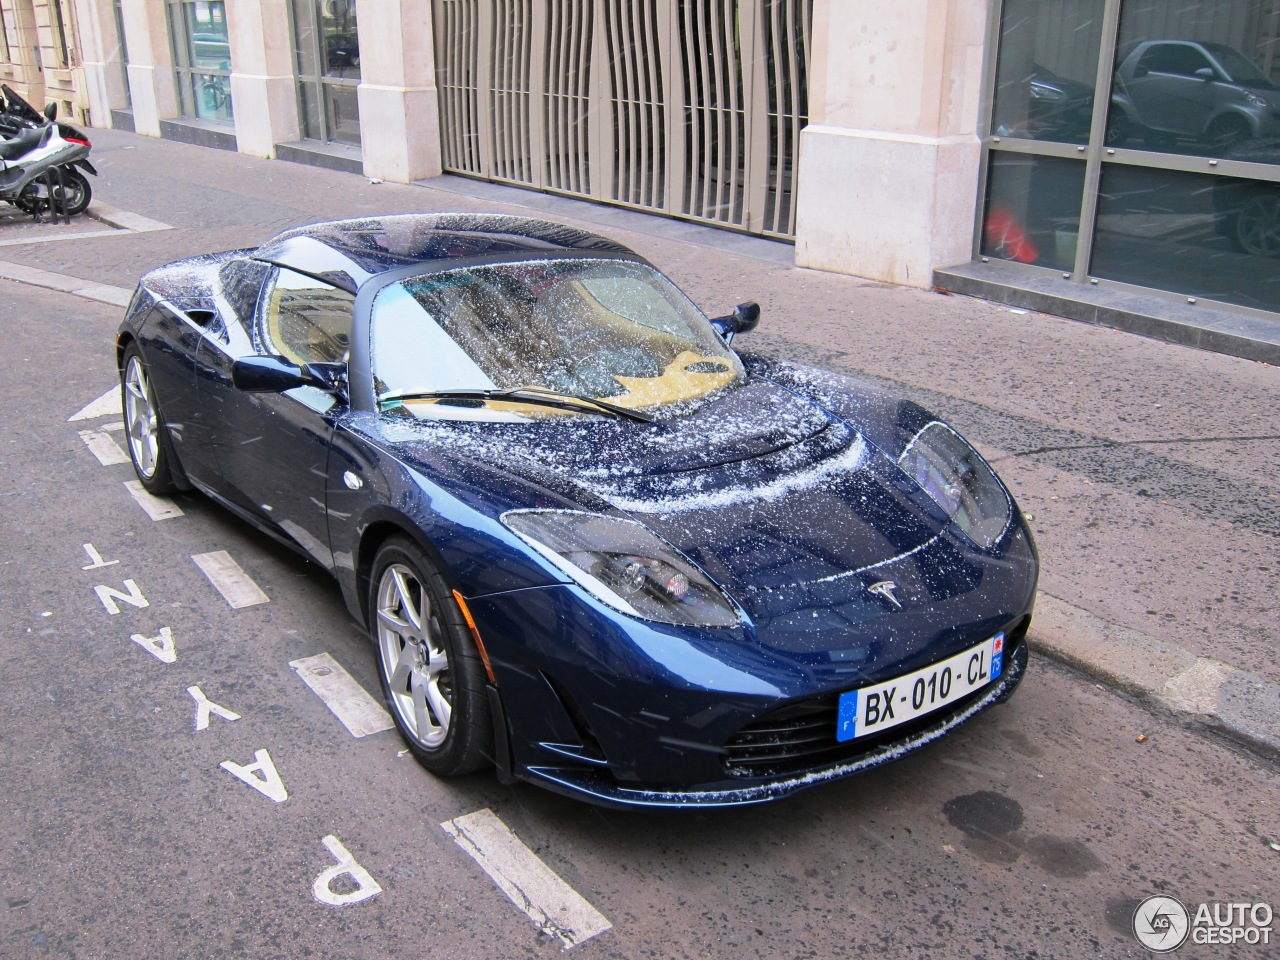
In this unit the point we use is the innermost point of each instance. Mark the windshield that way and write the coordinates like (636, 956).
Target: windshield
(607, 329)
(1240, 68)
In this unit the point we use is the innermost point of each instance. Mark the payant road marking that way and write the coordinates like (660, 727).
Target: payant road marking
(236, 586)
(161, 647)
(359, 712)
(261, 775)
(131, 595)
(529, 883)
(204, 709)
(156, 507)
(322, 889)
(95, 558)
(104, 447)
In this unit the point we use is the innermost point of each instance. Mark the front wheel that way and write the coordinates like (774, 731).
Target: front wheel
(432, 675)
(144, 427)
(1257, 226)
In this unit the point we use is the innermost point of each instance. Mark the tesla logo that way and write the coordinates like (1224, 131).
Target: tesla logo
(885, 588)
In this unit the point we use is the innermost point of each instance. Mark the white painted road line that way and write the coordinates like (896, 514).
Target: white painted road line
(236, 587)
(102, 446)
(528, 882)
(106, 405)
(157, 508)
(359, 712)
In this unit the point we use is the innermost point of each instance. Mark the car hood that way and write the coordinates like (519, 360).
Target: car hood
(763, 488)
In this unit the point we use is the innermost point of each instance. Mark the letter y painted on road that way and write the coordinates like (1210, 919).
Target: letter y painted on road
(205, 706)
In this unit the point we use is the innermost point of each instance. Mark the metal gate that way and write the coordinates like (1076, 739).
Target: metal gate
(687, 107)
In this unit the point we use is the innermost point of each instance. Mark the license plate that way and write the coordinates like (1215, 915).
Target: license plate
(883, 705)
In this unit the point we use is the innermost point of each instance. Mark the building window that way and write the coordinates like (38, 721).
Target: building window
(1137, 142)
(202, 58)
(123, 57)
(327, 51)
(58, 27)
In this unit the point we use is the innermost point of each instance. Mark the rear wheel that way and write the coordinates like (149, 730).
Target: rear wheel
(432, 675)
(144, 427)
(1257, 226)
(74, 194)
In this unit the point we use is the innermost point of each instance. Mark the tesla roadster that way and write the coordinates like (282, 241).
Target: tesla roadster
(594, 545)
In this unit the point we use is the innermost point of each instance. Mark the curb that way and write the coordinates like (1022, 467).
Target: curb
(1170, 679)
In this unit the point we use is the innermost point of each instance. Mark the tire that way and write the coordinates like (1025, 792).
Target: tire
(1118, 128)
(76, 192)
(148, 441)
(432, 676)
(1227, 132)
(1256, 228)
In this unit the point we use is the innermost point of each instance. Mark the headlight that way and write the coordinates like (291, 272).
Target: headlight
(626, 565)
(948, 469)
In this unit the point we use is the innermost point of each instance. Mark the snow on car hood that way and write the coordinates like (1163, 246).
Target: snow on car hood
(762, 488)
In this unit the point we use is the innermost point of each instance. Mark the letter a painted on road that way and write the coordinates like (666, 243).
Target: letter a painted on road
(322, 889)
(269, 784)
(160, 647)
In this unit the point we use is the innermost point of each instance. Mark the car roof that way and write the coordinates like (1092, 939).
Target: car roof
(346, 253)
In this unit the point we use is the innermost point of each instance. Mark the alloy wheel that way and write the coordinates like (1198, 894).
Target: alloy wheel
(141, 422)
(414, 658)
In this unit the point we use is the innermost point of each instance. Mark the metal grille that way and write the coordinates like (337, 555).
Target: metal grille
(686, 107)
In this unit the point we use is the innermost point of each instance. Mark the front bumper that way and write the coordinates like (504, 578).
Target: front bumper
(597, 787)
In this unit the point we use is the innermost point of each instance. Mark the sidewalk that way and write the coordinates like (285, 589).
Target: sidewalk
(1148, 469)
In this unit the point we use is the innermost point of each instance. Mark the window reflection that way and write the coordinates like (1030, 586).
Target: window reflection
(327, 48)
(1033, 209)
(1202, 235)
(203, 50)
(1195, 78)
(1047, 67)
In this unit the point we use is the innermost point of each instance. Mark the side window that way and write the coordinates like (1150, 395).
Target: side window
(305, 320)
(241, 282)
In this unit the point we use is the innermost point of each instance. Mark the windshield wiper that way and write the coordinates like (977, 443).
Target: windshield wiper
(547, 398)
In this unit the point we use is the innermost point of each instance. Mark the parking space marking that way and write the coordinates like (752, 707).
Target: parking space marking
(236, 586)
(109, 596)
(269, 784)
(105, 405)
(205, 707)
(322, 889)
(161, 647)
(157, 508)
(104, 447)
(359, 712)
(529, 883)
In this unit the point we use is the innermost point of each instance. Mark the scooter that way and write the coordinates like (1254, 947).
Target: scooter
(36, 172)
(57, 150)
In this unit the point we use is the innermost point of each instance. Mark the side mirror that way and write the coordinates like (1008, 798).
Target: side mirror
(1205, 73)
(51, 111)
(276, 375)
(744, 319)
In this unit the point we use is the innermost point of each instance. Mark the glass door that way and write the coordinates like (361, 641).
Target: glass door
(202, 58)
(327, 51)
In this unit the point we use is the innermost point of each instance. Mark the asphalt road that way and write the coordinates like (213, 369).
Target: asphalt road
(1033, 832)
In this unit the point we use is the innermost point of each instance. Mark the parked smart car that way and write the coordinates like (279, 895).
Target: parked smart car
(1172, 90)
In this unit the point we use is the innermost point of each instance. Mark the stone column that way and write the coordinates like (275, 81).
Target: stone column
(399, 111)
(151, 80)
(101, 60)
(263, 93)
(888, 177)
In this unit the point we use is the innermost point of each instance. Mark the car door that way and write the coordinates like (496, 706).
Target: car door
(1168, 93)
(273, 449)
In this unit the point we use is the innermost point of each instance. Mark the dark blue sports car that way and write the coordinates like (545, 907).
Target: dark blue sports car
(594, 546)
